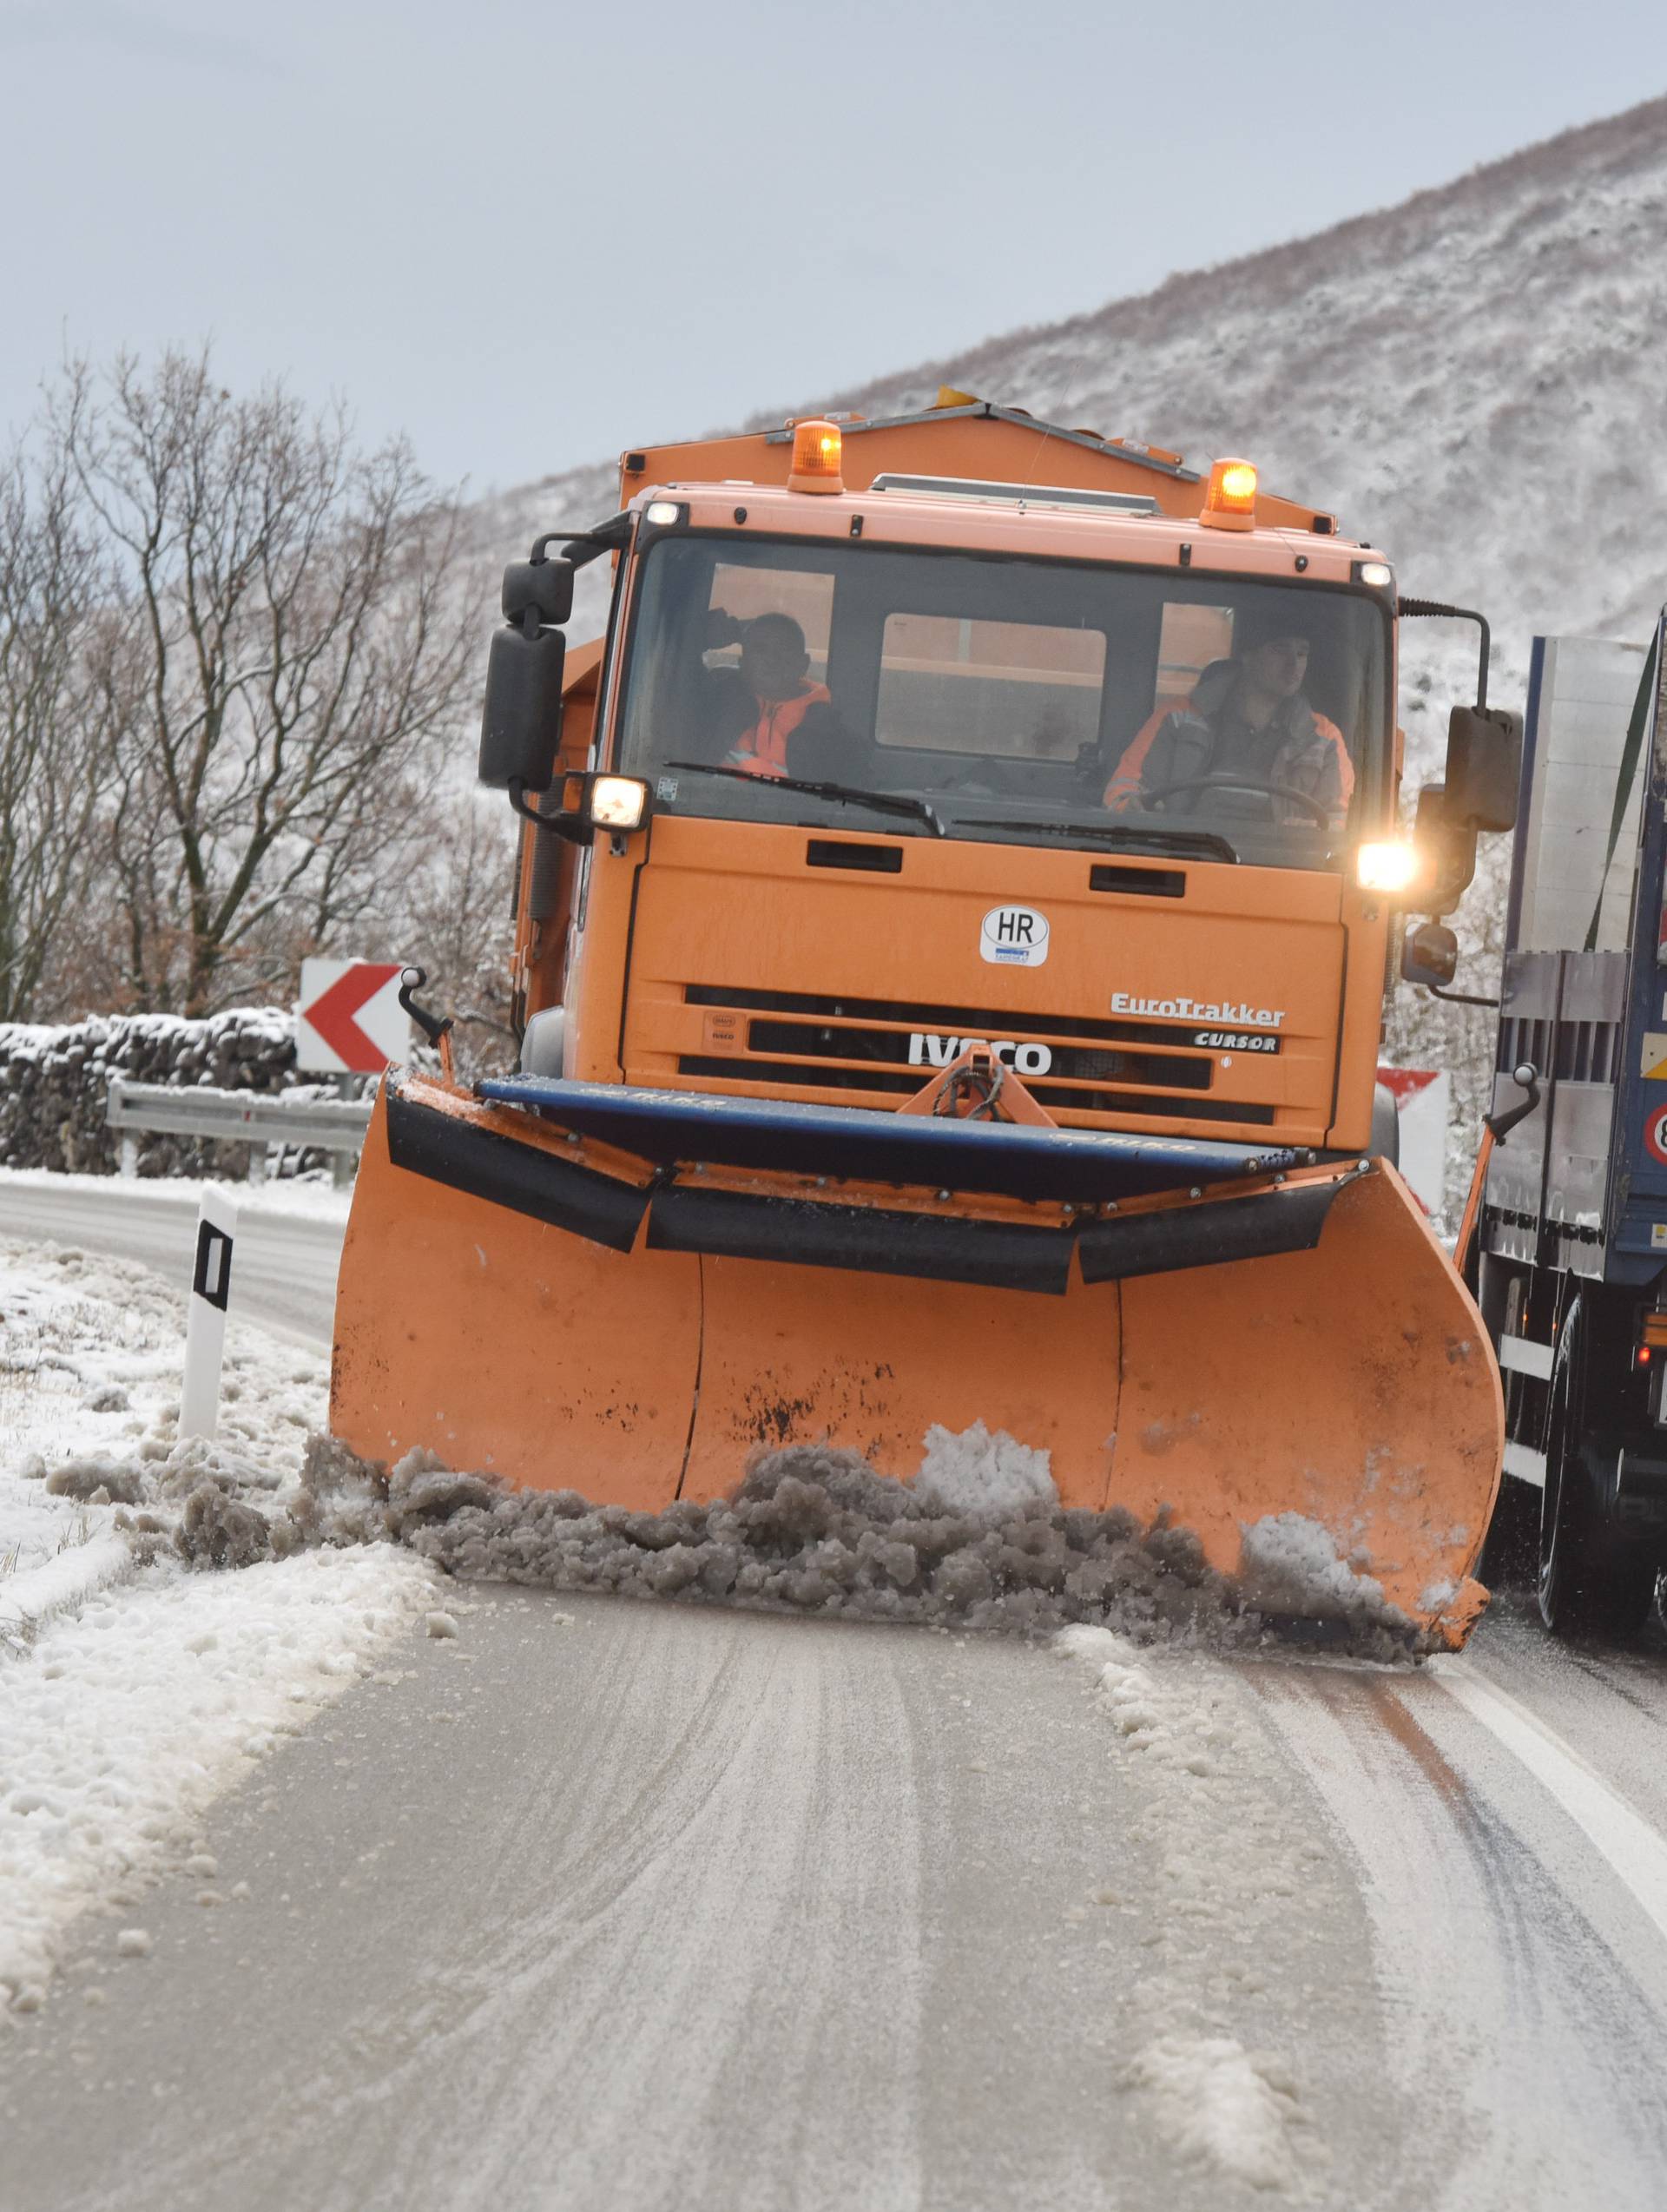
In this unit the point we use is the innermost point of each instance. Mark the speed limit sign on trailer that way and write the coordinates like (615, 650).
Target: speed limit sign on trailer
(1655, 1134)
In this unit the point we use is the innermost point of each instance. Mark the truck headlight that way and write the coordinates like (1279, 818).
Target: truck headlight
(1392, 867)
(617, 803)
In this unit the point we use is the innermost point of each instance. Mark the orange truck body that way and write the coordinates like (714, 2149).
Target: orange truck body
(638, 1351)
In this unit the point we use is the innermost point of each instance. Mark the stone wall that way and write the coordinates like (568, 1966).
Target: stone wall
(53, 1082)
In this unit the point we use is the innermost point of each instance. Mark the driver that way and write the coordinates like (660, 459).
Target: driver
(1246, 718)
(766, 715)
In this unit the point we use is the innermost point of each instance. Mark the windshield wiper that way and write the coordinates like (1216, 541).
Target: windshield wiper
(884, 802)
(1127, 835)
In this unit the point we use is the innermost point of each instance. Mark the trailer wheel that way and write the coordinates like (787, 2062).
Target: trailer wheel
(1592, 1583)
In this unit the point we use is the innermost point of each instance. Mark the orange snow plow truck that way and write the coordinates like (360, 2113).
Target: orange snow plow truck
(953, 911)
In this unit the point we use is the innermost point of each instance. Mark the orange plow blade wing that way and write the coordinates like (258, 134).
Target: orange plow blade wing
(1315, 1417)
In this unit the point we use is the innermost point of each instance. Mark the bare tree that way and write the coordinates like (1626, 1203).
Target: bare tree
(55, 621)
(295, 643)
(455, 917)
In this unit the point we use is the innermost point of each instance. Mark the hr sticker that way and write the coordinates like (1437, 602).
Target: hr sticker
(1014, 937)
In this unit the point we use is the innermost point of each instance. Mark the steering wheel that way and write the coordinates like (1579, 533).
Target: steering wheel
(1320, 811)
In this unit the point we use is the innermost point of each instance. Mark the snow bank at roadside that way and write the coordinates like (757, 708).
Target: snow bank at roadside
(125, 1709)
(90, 1378)
(124, 1723)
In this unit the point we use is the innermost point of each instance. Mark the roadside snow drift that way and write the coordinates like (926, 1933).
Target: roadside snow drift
(120, 1721)
(126, 1721)
(978, 1539)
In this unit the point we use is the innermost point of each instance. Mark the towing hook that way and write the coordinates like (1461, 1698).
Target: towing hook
(435, 1027)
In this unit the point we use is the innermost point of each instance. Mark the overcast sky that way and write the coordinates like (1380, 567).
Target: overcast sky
(528, 234)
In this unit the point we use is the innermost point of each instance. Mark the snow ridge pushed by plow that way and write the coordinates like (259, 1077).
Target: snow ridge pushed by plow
(978, 1540)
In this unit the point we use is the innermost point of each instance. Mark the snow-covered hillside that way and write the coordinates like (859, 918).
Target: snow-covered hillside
(1473, 380)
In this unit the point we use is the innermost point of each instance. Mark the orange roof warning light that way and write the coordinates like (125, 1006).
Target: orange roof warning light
(816, 448)
(1230, 496)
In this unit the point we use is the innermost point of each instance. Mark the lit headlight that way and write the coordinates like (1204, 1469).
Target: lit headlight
(618, 802)
(1392, 867)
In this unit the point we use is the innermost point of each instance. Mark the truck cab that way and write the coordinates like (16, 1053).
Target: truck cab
(983, 666)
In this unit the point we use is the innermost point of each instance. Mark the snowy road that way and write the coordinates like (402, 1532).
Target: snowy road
(602, 1904)
(611, 1905)
(285, 1277)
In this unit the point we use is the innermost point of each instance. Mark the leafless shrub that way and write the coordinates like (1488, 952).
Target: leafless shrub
(55, 614)
(286, 647)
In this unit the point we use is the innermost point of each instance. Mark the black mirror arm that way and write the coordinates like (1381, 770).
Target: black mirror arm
(567, 825)
(1439, 608)
(1458, 998)
(582, 546)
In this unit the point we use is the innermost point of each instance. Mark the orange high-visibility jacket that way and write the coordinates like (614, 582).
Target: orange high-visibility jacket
(763, 748)
(1308, 752)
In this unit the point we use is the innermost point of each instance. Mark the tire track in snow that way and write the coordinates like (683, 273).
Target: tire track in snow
(702, 1925)
(1523, 1986)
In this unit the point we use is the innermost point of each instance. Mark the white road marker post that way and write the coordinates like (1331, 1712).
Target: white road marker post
(205, 1326)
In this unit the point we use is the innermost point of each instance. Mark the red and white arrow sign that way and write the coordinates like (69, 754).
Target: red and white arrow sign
(349, 1020)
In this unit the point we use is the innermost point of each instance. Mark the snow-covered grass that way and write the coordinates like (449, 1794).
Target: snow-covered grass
(127, 1720)
(90, 1378)
(126, 1706)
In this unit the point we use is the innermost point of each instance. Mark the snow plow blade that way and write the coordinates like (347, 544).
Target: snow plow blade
(1280, 1356)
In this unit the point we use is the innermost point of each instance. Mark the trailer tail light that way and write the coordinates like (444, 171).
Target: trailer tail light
(817, 447)
(1230, 496)
(1654, 1333)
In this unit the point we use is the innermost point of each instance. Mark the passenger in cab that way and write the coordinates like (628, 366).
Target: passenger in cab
(766, 715)
(1247, 717)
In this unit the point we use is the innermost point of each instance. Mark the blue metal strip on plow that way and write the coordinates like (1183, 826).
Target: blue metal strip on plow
(858, 1144)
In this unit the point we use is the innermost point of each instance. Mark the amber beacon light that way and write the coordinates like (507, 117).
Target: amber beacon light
(816, 447)
(1230, 496)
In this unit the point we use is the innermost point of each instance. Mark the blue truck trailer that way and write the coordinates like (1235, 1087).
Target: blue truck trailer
(1565, 1238)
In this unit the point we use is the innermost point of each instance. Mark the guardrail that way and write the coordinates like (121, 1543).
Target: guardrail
(255, 1118)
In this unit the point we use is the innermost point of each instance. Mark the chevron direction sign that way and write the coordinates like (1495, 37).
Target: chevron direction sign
(349, 1020)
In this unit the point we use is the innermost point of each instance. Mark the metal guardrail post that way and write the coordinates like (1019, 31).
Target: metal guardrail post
(342, 1167)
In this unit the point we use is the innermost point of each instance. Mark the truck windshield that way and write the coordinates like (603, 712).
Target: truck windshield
(1013, 696)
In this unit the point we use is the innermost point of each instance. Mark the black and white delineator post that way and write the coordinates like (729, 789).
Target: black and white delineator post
(205, 1328)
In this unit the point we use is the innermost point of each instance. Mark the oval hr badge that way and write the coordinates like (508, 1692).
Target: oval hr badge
(1014, 937)
(1655, 1134)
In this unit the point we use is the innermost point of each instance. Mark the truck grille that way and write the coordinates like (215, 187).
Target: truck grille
(1069, 1061)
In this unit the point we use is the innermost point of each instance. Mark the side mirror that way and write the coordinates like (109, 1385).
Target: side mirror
(1484, 767)
(543, 587)
(521, 720)
(1429, 954)
(1447, 845)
